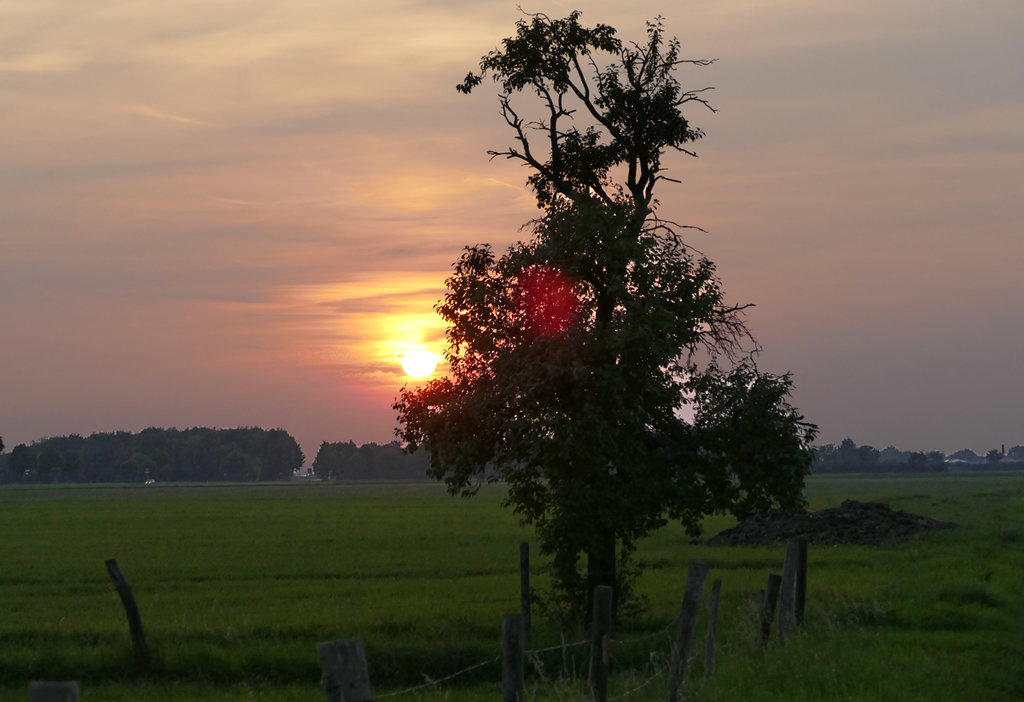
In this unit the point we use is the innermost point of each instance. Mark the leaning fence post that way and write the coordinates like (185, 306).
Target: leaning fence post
(771, 596)
(687, 626)
(40, 691)
(345, 676)
(524, 583)
(709, 645)
(513, 663)
(600, 641)
(131, 609)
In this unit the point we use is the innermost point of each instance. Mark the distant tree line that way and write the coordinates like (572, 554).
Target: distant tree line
(164, 455)
(848, 457)
(251, 454)
(346, 461)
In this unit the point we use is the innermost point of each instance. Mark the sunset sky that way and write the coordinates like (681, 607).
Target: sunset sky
(241, 212)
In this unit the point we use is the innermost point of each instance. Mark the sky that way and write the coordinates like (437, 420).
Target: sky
(242, 212)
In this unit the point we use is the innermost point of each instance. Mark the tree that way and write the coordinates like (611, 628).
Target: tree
(330, 460)
(236, 465)
(21, 462)
(281, 455)
(597, 369)
(919, 461)
(48, 465)
(891, 454)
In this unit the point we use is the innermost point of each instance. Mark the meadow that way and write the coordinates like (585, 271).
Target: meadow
(236, 584)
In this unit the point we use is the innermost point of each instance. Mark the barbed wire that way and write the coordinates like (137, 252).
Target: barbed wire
(534, 652)
(645, 637)
(434, 683)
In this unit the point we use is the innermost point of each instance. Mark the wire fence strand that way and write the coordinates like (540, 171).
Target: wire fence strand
(434, 683)
(533, 652)
(645, 637)
(559, 647)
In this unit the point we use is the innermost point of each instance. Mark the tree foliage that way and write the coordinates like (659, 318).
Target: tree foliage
(343, 460)
(597, 368)
(197, 454)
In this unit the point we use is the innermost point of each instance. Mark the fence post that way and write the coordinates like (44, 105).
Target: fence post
(686, 626)
(800, 600)
(793, 596)
(345, 676)
(600, 641)
(40, 691)
(524, 583)
(787, 597)
(131, 609)
(709, 646)
(771, 596)
(513, 664)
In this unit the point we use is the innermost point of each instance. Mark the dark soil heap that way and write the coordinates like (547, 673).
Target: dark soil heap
(864, 523)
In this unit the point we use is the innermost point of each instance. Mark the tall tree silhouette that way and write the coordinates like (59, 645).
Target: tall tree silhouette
(597, 368)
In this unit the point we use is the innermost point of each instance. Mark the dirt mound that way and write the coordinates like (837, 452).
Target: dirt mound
(864, 523)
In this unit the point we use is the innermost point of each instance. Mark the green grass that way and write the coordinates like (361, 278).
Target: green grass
(236, 584)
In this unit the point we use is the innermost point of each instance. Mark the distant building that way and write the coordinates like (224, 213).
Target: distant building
(957, 465)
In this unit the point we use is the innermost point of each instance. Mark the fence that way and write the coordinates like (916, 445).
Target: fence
(345, 676)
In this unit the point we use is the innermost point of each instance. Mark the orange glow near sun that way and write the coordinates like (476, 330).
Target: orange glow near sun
(375, 328)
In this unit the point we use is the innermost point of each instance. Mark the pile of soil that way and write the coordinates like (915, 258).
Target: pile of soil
(864, 523)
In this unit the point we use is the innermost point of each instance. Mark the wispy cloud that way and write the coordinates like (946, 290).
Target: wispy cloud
(153, 112)
(45, 61)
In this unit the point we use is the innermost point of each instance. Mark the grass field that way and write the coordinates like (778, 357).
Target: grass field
(236, 584)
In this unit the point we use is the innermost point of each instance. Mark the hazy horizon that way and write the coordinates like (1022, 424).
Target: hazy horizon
(242, 214)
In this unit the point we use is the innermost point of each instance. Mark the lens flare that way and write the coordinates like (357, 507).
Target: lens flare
(549, 301)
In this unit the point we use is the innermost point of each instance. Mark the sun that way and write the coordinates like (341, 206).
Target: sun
(419, 363)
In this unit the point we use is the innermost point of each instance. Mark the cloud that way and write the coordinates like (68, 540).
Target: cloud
(51, 61)
(147, 111)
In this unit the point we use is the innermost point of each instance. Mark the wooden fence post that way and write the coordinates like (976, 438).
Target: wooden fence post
(40, 691)
(131, 609)
(345, 676)
(788, 594)
(771, 596)
(524, 584)
(709, 645)
(600, 642)
(513, 663)
(800, 599)
(687, 626)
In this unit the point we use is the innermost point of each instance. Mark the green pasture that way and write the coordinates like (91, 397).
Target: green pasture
(236, 584)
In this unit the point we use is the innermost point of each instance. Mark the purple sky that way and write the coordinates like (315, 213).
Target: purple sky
(242, 213)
